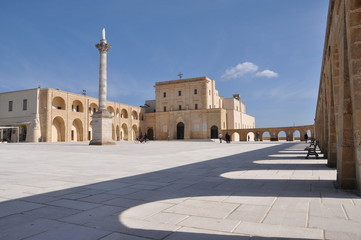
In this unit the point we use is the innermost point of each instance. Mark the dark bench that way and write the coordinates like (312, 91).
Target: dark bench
(311, 150)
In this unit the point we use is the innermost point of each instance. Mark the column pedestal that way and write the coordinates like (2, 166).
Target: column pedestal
(102, 128)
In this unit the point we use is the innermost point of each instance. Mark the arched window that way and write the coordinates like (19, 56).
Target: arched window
(58, 103)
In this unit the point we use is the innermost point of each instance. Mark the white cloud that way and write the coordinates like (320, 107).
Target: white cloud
(239, 70)
(245, 68)
(267, 73)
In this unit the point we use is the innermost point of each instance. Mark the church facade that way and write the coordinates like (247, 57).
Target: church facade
(192, 109)
(183, 109)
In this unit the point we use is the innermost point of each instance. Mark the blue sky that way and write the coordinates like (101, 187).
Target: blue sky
(269, 51)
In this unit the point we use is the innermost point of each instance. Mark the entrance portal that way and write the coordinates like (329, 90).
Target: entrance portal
(150, 134)
(214, 132)
(180, 130)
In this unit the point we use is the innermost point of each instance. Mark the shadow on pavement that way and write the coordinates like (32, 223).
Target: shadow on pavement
(95, 211)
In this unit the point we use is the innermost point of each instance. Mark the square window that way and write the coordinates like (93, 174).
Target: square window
(180, 107)
(179, 93)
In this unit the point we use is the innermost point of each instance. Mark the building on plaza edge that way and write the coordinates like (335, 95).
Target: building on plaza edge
(183, 109)
(192, 109)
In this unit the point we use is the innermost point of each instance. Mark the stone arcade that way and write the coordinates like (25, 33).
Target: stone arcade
(338, 113)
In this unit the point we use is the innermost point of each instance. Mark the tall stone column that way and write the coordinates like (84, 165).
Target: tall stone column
(102, 119)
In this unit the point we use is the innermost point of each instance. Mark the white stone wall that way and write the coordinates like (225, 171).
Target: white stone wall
(17, 97)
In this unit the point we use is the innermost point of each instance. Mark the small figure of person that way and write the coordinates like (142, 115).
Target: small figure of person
(220, 136)
(228, 138)
(140, 138)
(145, 137)
(306, 137)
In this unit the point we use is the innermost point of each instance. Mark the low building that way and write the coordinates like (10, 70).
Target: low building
(52, 115)
(183, 109)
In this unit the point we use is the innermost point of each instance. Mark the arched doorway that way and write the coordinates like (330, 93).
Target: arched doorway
(266, 136)
(250, 137)
(150, 134)
(214, 132)
(282, 136)
(124, 132)
(235, 137)
(113, 131)
(58, 130)
(77, 130)
(118, 133)
(134, 132)
(296, 135)
(180, 130)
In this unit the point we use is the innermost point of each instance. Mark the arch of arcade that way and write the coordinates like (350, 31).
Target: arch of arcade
(258, 134)
(338, 113)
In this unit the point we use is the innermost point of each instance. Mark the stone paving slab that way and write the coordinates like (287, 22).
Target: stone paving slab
(17, 206)
(172, 190)
(195, 207)
(120, 236)
(33, 226)
(190, 233)
(74, 204)
(249, 213)
(223, 225)
(286, 218)
(83, 217)
(71, 232)
(52, 212)
(281, 231)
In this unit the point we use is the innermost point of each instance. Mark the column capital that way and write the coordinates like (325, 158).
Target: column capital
(103, 47)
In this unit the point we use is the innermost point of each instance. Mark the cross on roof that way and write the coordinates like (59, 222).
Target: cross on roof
(180, 75)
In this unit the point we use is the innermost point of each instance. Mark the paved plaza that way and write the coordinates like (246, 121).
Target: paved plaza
(171, 190)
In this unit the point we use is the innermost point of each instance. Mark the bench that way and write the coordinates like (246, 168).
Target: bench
(311, 150)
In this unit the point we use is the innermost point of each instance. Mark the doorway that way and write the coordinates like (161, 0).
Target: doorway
(180, 130)
(150, 134)
(214, 132)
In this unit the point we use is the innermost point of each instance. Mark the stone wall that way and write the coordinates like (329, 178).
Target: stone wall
(66, 117)
(338, 113)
